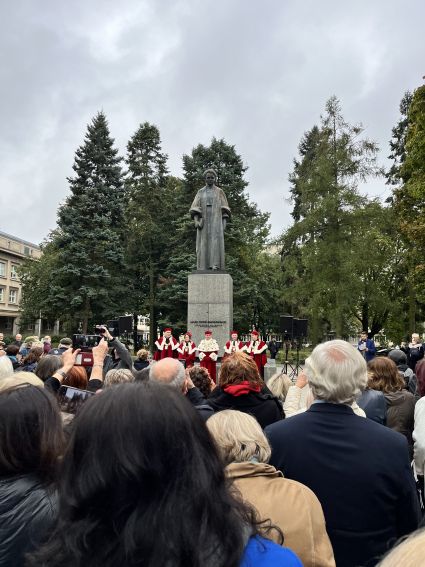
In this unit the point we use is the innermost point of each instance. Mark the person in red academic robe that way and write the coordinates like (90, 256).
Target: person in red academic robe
(208, 353)
(166, 346)
(187, 350)
(257, 350)
(234, 345)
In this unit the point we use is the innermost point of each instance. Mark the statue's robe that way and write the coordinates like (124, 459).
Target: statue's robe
(210, 205)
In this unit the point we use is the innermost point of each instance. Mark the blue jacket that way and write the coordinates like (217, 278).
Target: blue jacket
(261, 552)
(371, 350)
(360, 472)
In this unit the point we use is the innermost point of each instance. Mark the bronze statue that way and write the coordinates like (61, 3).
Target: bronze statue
(210, 212)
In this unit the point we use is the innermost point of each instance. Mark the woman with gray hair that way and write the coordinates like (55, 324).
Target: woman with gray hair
(286, 503)
(118, 376)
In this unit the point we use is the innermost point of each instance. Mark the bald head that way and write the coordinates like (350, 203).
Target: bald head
(168, 371)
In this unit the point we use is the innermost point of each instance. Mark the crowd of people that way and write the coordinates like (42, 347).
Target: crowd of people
(131, 462)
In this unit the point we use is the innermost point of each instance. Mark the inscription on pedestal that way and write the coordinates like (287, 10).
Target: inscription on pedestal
(210, 306)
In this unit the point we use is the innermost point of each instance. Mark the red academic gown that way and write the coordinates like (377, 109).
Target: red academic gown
(187, 352)
(207, 362)
(166, 351)
(257, 351)
(233, 346)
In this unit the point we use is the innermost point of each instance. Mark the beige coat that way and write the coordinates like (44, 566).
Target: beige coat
(288, 504)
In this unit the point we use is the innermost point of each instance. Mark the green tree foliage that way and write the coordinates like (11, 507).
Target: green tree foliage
(321, 248)
(82, 262)
(409, 198)
(407, 176)
(398, 142)
(147, 235)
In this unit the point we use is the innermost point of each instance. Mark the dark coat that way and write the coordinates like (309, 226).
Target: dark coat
(27, 513)
(263, 406)
(400, 413)
(374, 405)
(360, 472)
(140, 364)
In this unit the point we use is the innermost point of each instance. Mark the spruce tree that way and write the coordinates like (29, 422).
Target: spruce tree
(148, 215)
(87, 284)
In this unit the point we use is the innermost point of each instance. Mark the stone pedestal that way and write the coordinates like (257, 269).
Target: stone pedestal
(210, 306)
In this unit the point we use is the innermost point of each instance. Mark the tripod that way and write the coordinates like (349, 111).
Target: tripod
(294, 369)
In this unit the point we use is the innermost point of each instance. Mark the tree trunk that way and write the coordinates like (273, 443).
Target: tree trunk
(135, 334)
(86, 315)
(314, 327)
(412, 307)
(152, 322)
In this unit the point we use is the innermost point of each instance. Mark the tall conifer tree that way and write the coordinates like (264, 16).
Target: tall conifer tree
(86, 279)
(148, 228)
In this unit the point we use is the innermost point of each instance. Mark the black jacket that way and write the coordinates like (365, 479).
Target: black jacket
(28, 511)
(140, 364)
(263, 406)
(359, 470)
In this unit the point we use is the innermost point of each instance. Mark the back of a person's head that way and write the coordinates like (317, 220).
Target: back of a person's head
(76, 377)
(118, 376)
(34, 355)
(139, 455)
(201, 379)
(397, 356)
(384, 376)
(47, 366)
(237, 368)
(279, 385)
(6, 367)
(408, 553)
(239, 437)
(168, 371)
(31, 438)
(12, 350)
(65, 342)
(336, 372)
(142, 354)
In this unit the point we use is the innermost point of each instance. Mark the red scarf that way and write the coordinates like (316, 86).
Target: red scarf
(241, 389)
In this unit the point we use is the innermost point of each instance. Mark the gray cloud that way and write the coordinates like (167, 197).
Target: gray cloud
(256, 74)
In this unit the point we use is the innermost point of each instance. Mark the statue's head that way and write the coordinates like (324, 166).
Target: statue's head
(210, 176)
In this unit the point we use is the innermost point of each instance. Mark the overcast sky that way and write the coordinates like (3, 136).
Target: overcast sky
(255, 73)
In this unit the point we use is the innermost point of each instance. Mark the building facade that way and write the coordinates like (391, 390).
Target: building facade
(13, 251)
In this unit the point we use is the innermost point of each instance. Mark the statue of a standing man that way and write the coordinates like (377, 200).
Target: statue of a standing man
(210, 212)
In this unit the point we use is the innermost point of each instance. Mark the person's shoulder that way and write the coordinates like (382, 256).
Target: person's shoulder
(264, 553)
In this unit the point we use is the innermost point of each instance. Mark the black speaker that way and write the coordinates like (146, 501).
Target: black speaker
(113, 327)
(286, 325)
(125, 324)
(300, 328)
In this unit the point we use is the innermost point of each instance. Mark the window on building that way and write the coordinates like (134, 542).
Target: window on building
(9, 324)
(13, 296)
(1, 294)
(30, 326)
(2, 269)
(27, 250)
(14, 272)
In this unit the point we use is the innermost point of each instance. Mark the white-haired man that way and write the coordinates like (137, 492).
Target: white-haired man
(358, 469)
(172, 372)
